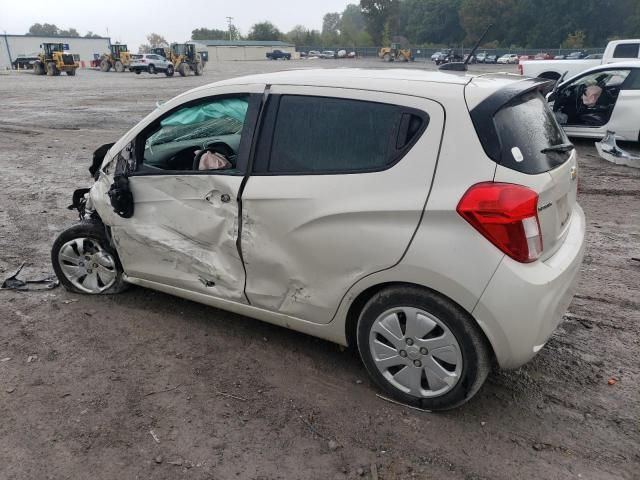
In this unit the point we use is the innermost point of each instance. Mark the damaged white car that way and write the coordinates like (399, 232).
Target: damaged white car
(437, 231)
(600, 99)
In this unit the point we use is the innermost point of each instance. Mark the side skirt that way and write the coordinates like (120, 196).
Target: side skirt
(332, 332)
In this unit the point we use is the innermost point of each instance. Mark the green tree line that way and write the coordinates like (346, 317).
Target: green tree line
(516, 23)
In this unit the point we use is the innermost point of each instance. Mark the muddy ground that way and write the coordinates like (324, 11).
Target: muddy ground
(145, 385)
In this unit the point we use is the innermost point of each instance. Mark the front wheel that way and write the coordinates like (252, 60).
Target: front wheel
(198, 70)
(84, 261)
(422, 348)
(152, 69)
(169, 71)
(119, 67)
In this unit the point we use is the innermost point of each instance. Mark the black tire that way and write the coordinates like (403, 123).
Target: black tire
(198, 70)
(105, 65)
(38, 68)
(138, 72)
(182, 69)
(71, 72)
(474, 347)
(119, 67)
(152, 69)
(95, 231)
(51, 69)
(169, 71)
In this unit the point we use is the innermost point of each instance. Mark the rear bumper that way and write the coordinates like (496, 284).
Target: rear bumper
(524, 303)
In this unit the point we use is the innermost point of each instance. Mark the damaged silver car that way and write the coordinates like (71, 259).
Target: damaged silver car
(437, 230)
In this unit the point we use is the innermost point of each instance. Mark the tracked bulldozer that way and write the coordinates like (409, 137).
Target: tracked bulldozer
(118, 58)
(184, 57)
(52, 60)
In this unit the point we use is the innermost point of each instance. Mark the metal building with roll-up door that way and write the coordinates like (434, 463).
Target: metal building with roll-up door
(13, 46)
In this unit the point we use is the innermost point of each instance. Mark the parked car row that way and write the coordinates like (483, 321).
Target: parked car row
(328, 54)
(513, 58)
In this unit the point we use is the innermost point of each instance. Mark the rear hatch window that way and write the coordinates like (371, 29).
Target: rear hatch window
(528, 132)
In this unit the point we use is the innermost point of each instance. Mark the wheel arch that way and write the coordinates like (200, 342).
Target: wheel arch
(361, 299)
(551, 75)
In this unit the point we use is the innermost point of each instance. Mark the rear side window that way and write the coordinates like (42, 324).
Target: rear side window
(526, 127)
(626, 50)
(315, 135)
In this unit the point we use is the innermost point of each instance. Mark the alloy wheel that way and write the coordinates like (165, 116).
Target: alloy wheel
(415, 352)
(88, 266)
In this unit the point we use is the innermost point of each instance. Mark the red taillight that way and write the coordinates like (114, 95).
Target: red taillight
(507, 215)
(142, 60)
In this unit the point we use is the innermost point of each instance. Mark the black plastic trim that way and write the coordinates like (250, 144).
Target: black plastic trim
(482, 115)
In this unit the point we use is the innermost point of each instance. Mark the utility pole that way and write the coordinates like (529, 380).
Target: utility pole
(230, 24)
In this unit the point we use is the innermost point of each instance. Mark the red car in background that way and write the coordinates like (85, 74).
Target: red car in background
(543, 56)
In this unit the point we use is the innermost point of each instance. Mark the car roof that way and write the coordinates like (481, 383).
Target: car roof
(433, 84)
(347, 77)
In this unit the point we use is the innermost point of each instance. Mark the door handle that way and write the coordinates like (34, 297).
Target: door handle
(213, 194)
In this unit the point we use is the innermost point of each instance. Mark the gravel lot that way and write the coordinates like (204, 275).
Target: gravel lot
(145, 385)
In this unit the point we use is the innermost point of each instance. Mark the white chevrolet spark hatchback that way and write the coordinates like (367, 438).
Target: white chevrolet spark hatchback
(427, 218)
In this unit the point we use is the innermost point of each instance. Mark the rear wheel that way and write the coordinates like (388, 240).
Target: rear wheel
(422, 348)
(71, 72)
(183, 69)
(169, 71)
(199, 69)
(84, 261)
(152, 68)
(119, 67)
(105, 65)
(38, 68)
(137, 71)
(387, 57)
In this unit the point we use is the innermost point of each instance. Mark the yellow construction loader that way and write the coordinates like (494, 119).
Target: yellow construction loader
(395, 52)
(119, 58)
(184, 57)
(53, 60)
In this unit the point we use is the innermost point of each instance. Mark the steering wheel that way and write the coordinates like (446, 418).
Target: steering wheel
(215, 147)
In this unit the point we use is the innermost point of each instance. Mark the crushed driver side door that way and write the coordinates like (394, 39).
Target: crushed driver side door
(184, 225)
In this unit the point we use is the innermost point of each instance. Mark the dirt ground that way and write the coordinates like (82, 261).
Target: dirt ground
(145, 385)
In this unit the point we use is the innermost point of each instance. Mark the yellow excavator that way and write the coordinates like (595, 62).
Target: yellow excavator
(184, 57)
(53, 60)
(118, 58)
(395, 53)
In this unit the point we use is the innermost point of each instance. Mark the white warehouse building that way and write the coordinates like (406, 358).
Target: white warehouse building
(229, 50)
(12, 46)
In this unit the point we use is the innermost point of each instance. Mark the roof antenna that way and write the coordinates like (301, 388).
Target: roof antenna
(462, 66)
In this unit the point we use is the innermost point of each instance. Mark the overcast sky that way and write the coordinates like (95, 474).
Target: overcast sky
(129, 21)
